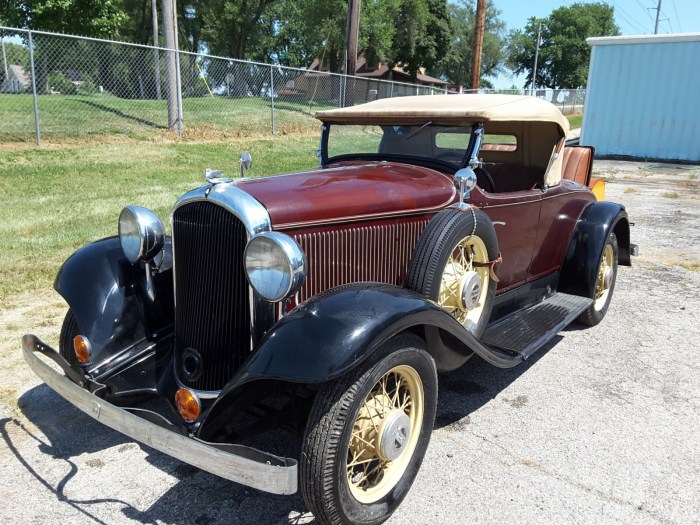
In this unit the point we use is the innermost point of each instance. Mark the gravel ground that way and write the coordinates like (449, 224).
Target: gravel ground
(602, 426)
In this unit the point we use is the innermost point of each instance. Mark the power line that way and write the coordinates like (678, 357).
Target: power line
(628, 18)
(646, 10)
(678, 18)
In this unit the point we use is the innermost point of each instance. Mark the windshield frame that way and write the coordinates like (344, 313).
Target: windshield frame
(419, 160)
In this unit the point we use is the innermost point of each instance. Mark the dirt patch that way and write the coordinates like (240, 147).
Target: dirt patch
(517, 402)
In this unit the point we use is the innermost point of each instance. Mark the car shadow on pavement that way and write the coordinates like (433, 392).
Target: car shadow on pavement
(470, 387)
(197, 497)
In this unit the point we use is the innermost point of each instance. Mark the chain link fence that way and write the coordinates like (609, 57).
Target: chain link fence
(569, 101)
(57, 86)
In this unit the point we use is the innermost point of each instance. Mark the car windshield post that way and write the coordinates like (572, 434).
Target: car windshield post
(323, 147)
(476, 138)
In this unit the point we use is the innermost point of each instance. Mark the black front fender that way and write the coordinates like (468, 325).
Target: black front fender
(107, 296)
(579, 269)
(332, 333)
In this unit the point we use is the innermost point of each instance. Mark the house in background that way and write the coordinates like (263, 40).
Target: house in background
(317, 83)
(17, 80)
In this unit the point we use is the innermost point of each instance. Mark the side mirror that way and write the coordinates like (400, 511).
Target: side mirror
(465, 180)
(245, 162)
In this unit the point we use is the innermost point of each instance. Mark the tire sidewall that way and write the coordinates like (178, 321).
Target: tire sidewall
(600, 313)
(484, 230)
(364, 513)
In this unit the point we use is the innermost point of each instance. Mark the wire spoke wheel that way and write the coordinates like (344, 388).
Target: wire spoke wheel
(605, 278)
(463, 286)
(367, 434)
(385, 434)
(604, 281)
(444, 268)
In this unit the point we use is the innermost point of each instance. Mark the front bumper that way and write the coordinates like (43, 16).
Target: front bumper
(237, 463)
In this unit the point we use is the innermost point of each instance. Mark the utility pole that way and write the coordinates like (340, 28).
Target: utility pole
(156, 58)
(351, 33)
(169, 36)
(658, 12)
(537, 53)
(478, 43)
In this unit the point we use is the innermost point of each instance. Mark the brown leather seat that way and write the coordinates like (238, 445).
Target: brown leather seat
(577, 163)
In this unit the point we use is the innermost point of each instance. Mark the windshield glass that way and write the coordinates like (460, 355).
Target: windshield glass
(443, 143)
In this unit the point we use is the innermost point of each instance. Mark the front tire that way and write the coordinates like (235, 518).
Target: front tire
(367, 434)
(69, 330)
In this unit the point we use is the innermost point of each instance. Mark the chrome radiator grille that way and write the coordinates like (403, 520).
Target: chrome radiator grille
(352, 253)
(212, 307)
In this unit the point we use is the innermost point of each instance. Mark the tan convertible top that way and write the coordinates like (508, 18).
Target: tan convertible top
(539, 126)
(449, 110)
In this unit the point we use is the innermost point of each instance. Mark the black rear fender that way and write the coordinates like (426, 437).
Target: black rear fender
(580, 266)
(108, 298)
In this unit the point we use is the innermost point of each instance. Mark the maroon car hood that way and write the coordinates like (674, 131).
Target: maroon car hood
(350, 192)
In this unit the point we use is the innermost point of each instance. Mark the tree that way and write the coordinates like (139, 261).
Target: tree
(231, 27)
(456, 65)
(99, 18)
(564, 55)
(423, 33)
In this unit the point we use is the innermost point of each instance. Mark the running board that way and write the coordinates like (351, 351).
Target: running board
(526, 331)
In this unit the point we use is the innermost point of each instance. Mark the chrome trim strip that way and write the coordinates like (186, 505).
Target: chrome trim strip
(247, 208)
(269, 473)
(368, 217)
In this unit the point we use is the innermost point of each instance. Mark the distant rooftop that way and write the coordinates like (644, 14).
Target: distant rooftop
(642, 39)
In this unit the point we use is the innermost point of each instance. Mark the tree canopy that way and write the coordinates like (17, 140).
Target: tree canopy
(564, 55)
(410, 33)
(456, 65)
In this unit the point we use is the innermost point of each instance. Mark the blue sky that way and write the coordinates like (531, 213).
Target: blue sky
(632, 16)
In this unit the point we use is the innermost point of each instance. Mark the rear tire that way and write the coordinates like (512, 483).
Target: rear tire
(358, 423)
(603, 291)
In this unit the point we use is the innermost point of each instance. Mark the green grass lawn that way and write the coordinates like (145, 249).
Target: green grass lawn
(78, 116)
(575, 121)
(56, 199)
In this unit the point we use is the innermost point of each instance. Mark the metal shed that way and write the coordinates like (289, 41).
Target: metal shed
(643, 97)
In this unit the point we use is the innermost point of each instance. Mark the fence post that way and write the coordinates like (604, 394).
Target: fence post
(179, 93)
(36, 107)
(272, 98)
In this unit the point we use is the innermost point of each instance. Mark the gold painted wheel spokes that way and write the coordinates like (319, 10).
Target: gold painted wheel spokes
(459, 272)
(604, 280)
(397, 396)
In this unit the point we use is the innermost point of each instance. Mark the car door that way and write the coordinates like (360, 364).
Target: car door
(515, 216)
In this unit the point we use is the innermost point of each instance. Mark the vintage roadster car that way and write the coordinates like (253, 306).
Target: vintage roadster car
(325, 302)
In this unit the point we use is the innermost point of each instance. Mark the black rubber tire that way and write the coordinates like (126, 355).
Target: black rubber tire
(69, 330)
(592, 315)
(322, 467)
(433, 250)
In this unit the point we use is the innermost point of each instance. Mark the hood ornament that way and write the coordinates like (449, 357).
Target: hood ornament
(215, 176)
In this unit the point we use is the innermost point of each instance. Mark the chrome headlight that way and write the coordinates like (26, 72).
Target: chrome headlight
(141, 233)
(274, 264)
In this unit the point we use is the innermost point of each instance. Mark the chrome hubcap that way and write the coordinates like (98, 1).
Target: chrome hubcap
(394, 433)
(471, 290)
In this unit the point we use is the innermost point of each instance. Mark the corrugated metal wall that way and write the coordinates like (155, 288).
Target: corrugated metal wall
(643, 99)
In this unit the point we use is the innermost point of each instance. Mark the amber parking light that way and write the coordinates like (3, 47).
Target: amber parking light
(82, 348)
(188, 404)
